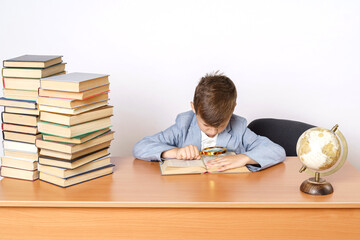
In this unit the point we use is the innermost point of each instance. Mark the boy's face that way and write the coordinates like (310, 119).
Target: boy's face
(210, 131)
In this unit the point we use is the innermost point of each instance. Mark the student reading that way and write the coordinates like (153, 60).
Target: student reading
(212, 123)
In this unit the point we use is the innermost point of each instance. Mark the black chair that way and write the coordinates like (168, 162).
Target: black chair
(280, 131)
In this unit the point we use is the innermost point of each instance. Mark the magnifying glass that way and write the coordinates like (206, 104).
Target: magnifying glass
(213, 151)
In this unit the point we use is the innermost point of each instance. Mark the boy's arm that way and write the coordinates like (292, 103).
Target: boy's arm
(151, 148)
(259, 153)
(262, 150)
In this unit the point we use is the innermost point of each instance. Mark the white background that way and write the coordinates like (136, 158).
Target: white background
(295, 60)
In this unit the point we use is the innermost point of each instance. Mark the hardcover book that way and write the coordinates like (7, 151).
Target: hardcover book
(69, 156)
(70, 103)
(31, 95)
(19, 146)
(67, 173)
(33, 72)
(19, 128)
(175, 166)
(76, 140)
(18, 154)
(21, 111)
(21, 119)
(74, 95)
(17, 103)
(74, 82)
(20, 163)
(73, 148)
(75, 130)
(73, 111)
(83, 177)
(77, 162)
(70, 120)
(33, 61)
(19, 173)
(20, 137)
(24, 83)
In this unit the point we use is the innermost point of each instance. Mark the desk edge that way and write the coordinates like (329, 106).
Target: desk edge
(98, 204)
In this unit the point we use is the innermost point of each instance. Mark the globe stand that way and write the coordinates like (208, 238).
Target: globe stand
(316, 186)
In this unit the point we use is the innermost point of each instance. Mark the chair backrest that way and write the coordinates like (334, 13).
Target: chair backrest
(280, 131)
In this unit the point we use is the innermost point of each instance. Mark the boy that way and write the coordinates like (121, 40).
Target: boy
(212, 123)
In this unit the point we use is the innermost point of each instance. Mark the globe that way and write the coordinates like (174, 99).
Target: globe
(318, 149)
(322, 152)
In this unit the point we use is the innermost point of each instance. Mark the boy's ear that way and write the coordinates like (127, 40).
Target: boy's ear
(192, 107)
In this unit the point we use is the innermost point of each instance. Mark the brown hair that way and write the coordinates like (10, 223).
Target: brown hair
(215, 98)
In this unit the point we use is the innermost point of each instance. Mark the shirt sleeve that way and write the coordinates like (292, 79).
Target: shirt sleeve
(151, 147)
(262, 150)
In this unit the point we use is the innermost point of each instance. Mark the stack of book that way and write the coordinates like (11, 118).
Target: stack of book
(75, 126)
(21, 80)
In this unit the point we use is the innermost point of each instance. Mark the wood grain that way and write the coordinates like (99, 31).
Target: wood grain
(136, 202)
(152, 223)
(137, 183)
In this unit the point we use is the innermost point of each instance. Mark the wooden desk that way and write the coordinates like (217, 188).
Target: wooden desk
(137, 203)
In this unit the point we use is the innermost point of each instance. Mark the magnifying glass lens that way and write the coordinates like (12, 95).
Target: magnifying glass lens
(213, 151)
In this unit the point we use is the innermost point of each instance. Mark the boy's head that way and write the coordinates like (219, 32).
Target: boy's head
(214, 100)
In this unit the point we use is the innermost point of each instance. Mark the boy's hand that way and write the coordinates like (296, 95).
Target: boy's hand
(229, 162)
(190, 152)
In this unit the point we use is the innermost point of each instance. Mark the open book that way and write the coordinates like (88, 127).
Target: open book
(175, 166)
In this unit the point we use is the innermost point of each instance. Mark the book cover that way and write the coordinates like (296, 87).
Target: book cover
(33, 58)
(75, 77)
(74, 82)
(33, 61)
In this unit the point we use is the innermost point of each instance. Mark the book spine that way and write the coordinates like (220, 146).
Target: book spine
(2, 126)
(2, 117)
(3, 81)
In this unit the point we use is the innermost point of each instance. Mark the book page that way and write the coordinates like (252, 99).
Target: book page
(175, 166)
(183, 163)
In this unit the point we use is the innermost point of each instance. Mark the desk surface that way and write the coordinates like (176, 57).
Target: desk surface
(137, 183)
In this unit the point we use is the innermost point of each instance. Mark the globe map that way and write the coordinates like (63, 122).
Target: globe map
(318, 149)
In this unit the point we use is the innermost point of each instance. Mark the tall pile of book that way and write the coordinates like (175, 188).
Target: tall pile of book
(75, 126)
(21, 80)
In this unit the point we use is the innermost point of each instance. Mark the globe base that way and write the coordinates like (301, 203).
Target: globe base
(313, 187)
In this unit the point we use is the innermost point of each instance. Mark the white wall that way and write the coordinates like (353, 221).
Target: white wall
(289, 59)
